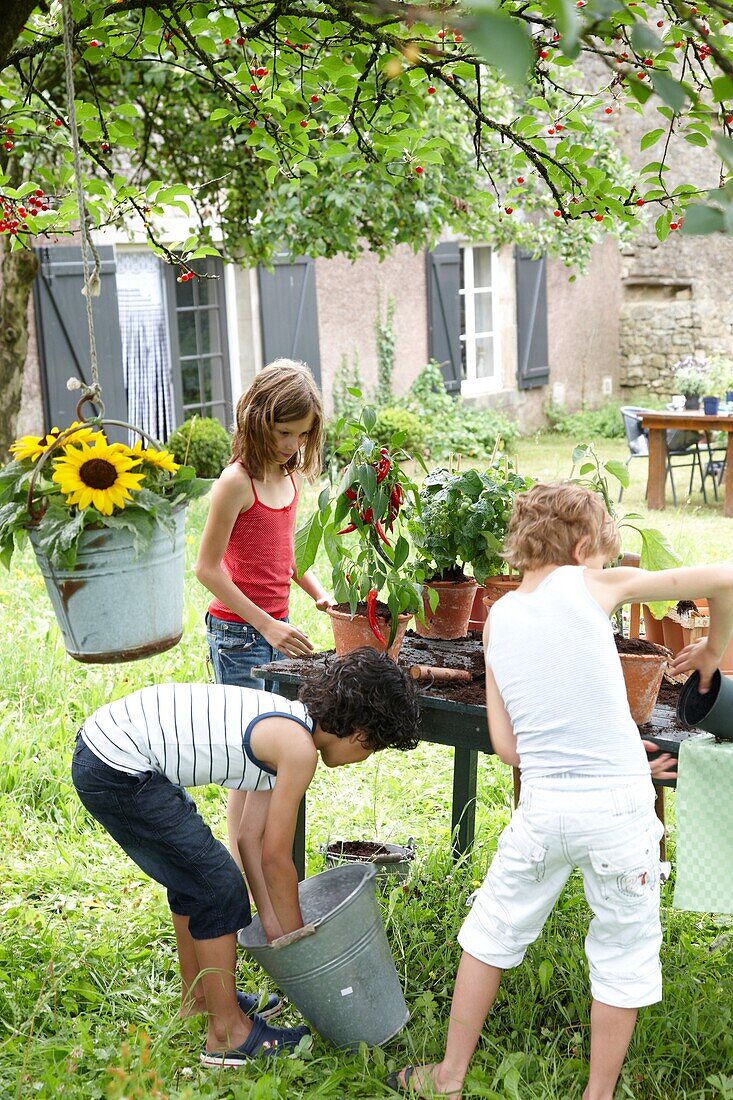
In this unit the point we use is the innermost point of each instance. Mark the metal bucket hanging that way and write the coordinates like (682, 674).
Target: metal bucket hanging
(116, 603)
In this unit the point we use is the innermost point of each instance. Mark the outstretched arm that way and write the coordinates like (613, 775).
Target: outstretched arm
(614, 587)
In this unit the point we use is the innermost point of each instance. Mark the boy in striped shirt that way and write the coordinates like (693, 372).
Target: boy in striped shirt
(133, 760)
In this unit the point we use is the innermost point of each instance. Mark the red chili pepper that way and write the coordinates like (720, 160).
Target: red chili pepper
(371, 603)
(347, 530)
(383, 467)
(367, 516)
(350, 494)
(380, 531)
(395, 503)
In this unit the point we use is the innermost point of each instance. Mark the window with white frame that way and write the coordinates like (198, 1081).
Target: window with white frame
(480, 363)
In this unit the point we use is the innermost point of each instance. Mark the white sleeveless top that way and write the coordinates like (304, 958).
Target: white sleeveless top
(554, 659)
(191, 733)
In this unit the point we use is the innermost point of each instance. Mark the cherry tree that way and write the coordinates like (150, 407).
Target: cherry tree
(335, 126)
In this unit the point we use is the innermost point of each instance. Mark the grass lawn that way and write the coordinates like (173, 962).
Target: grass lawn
(88, 983)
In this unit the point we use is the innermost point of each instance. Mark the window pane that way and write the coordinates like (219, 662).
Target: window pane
(190, 382)
(187, 334)
(184, 294)
(207, 291)
(481, 267)
(483, 321)
(209, 332)
(464, 366)
(485, 357)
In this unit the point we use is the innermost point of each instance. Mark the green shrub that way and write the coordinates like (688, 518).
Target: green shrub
(203, 443)
(604, 422)
(451, 425)
(396, 418)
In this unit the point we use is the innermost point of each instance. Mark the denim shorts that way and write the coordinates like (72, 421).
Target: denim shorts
(235, 649)
(157, 824)
(612, 836)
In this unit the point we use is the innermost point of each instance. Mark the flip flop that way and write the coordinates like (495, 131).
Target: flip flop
(393, 1082)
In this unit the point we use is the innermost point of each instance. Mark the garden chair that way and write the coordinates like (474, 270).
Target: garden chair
(680, 444)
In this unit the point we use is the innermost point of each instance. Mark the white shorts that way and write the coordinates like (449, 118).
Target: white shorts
(612, 836)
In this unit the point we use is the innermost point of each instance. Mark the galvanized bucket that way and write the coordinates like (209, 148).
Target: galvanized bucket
(342, 978)
(116, 605)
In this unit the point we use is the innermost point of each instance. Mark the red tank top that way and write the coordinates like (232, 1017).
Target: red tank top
(259, 557)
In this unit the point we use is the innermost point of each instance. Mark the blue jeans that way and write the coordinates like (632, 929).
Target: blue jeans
(235, 649)
(157, 824)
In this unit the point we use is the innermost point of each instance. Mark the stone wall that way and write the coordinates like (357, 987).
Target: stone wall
(677, 296)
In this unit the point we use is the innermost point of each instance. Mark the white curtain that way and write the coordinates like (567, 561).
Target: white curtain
(146, 357)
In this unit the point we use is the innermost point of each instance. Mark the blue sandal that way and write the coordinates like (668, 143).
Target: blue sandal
(251, 1003)
(262, 1041)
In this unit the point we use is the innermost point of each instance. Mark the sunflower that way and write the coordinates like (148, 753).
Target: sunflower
(161, 460)
(33, 446)
(98, 476)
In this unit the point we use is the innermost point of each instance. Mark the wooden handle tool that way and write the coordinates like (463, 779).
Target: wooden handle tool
(435, 672)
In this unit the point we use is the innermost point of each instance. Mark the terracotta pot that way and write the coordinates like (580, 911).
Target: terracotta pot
(643, 676)
(353, 633)
(496, 587)
(676, 631)
(479, 611)
(451, 616)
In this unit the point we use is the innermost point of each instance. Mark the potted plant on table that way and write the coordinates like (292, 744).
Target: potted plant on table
(360, 522)
(106, 525)
(692, 378)
(462, 523)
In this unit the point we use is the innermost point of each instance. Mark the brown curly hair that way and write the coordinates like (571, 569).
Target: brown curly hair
(364, 691)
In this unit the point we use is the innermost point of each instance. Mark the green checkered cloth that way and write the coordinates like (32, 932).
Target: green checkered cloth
(704, 880)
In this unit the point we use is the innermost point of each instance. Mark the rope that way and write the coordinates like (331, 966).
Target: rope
(92, 281)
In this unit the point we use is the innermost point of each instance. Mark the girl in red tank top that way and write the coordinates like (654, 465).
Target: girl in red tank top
(246, 557)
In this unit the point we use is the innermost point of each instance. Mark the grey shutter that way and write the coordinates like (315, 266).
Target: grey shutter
(289, 311)
(444, 312)
(63, 340)
(532, 352)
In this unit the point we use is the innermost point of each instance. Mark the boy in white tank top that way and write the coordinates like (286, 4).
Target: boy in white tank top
(556, 707)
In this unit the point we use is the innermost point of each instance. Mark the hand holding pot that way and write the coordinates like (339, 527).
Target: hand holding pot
(697, 657)
(663, 765)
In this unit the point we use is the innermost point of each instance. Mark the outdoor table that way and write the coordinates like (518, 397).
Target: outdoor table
(657, 423)
(462, 726)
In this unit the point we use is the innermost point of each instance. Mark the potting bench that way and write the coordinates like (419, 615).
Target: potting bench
(462, 726)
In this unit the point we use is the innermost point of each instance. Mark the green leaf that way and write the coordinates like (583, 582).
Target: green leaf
(701, 220)
(307, 541)
(619, 470)
(644, 40)
(651, 138)
(661, 226)
(671, 91)
(722, 87)
(502, 41)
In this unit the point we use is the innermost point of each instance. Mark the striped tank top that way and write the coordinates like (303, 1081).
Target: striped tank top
(259, 557)
(191, 733)
(554, 660)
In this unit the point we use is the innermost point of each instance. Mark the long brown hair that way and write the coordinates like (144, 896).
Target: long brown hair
(283, 391)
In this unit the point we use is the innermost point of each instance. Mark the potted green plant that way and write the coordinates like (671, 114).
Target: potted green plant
(361, 522)
(462, 524)
(692, 378)
(106, 525)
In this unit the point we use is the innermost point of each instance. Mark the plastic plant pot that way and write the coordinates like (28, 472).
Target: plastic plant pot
(712, 711)
(711, 405)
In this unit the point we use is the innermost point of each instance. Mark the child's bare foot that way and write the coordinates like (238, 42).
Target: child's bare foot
(425, 1081)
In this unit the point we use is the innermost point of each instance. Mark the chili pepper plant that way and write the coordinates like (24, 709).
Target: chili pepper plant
(361, 523)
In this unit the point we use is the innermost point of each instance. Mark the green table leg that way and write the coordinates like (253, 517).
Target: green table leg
(299, 842)
(463, 819)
